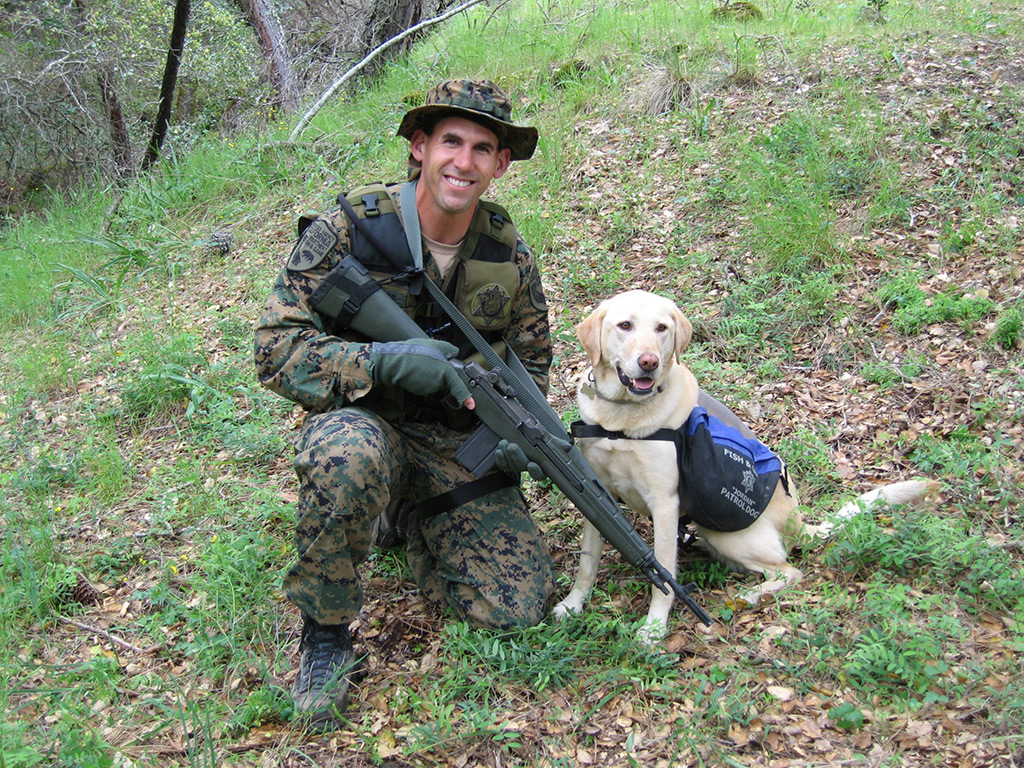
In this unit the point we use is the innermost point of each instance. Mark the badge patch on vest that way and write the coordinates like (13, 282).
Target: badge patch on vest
(537, 294)
(725, 479)
(316, 242)
(489, 305)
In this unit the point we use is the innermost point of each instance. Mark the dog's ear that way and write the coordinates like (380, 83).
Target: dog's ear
(684, 330)
(589, 334)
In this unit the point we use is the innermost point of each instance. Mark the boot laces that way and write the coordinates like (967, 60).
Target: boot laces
(327, 652)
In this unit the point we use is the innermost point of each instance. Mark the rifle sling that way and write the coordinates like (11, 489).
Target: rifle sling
(464, 493)
(519, 379)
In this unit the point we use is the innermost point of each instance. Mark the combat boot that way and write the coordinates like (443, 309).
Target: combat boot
(326, 659)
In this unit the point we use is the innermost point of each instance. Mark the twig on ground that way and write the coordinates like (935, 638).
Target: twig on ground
(112, 638)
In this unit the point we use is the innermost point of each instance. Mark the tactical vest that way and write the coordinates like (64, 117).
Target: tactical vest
(482, 282)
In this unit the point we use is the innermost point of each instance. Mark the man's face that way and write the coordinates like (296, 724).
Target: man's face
(458, 160)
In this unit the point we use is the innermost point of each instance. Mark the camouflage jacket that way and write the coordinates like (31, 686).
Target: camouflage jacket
(297, 355)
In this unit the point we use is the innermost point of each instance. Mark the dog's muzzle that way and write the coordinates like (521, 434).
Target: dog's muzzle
(640, 386)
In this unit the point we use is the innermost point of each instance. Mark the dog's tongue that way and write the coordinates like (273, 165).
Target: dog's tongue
(642, 384)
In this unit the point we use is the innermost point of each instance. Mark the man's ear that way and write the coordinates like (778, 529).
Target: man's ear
(504, 160)
(416, 141)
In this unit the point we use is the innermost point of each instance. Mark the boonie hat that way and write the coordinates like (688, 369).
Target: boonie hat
(480, 101)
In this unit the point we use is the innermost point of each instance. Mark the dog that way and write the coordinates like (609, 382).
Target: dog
(637, 388)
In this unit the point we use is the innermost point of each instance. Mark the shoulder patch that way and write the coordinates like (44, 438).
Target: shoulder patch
(318, 240)
(537, 298)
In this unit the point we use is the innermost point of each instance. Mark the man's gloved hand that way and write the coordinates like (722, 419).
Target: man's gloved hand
(419, 366)
(510, 458)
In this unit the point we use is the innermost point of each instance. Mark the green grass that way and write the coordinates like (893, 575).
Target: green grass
(845, 246)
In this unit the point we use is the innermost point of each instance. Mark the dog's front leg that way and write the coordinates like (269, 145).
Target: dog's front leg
(590, 558)
(666, 545)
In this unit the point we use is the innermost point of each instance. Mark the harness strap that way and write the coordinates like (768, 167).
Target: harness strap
(461, 494)
(582, 429)
(365, 230)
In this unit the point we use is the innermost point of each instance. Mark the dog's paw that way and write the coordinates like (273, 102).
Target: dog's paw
(565, 609)
(652, 632)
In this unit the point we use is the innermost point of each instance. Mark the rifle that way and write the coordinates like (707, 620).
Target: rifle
(505, 417)
(510, 406)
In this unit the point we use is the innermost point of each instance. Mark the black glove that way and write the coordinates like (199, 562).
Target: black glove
(510, 458)
(419, 366)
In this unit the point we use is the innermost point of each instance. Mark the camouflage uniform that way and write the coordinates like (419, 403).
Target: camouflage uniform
(358, 450)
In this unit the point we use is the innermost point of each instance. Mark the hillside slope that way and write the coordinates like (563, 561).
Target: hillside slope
(839, 211)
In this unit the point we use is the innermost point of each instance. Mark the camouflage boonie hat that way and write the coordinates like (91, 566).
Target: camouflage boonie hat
(480, 101)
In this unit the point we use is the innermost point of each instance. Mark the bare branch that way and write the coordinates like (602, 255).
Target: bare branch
(312, 112)
(110, 638)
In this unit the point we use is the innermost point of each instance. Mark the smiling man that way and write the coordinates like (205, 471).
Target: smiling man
(375, 458)
(458, 159)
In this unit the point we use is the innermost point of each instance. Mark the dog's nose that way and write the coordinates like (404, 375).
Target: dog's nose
(648, 362)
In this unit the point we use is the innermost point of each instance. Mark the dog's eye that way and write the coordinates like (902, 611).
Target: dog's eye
(661, 328)
(625, 325)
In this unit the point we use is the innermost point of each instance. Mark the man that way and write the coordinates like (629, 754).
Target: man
(383, 420)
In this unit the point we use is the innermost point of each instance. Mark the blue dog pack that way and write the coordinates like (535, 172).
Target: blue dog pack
(726, 478)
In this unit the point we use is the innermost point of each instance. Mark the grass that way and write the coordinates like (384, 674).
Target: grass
(844, 239)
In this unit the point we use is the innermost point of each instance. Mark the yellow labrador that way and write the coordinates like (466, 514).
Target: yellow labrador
(638, 387)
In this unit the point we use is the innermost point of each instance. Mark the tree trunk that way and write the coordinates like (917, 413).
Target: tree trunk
(387, 19)
(275, 52)
(116, 123)
(174, 52)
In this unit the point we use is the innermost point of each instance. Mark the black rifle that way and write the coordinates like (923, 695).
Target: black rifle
(504, 417)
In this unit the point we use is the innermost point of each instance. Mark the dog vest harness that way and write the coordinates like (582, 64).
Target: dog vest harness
(726, 479)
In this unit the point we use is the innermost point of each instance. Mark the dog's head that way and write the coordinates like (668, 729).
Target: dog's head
(638, 336)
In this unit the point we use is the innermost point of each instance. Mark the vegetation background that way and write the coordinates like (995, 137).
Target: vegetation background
(832, 192)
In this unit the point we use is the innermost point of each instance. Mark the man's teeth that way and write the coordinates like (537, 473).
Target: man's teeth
(458, 182)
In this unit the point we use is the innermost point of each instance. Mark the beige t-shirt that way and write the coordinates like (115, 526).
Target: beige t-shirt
(444, 254)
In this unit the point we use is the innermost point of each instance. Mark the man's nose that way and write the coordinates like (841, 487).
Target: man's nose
(463, 157)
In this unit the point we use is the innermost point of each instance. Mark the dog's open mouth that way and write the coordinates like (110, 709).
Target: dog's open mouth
(641, 386)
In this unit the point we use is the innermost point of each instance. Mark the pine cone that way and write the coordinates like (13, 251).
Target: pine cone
(220, 242)
(84, 592)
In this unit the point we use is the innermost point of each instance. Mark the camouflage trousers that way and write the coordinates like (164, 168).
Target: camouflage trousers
(485, 560)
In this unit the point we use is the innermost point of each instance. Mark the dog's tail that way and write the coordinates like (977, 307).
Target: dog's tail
(873, 500)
